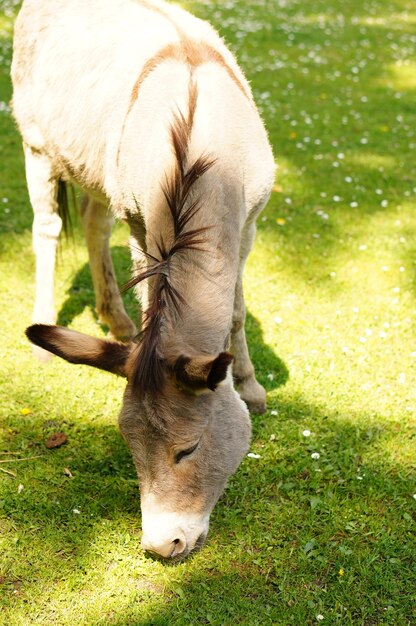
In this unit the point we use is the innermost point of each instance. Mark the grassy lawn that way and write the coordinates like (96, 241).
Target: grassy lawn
(331, 293)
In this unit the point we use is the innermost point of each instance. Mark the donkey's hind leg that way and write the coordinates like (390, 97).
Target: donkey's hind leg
(97, 222)
(43, 190)
(247, 386)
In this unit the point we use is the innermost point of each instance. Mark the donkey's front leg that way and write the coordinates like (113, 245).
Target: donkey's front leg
(97, 222)
(247, 386)
(43, 189)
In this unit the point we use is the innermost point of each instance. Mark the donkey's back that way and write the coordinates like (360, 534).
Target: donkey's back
(82, 70)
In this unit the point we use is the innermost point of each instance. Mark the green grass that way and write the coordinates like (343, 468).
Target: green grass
(331, 293)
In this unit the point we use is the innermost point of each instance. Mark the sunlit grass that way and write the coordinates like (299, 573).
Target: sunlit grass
(402, 75)
(404, 18)
(331, 294)
(372, 160)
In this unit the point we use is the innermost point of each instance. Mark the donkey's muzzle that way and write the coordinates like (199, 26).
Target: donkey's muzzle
(168, 548)
(170, 534)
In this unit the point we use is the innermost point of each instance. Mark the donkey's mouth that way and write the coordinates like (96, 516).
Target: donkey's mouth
(200, 541)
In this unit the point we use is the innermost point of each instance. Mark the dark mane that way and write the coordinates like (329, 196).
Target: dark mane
(150, 366)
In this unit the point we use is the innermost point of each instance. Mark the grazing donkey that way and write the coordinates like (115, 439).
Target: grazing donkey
(143, 106)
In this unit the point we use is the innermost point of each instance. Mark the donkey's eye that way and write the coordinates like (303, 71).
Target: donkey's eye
(184, 453)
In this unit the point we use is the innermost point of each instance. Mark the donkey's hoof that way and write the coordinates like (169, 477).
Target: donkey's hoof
(254, 395)
(41, 355)
(257, 408)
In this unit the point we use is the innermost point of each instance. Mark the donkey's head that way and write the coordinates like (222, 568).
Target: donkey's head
(186, 440)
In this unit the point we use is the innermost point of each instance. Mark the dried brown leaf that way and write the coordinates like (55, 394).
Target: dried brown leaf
(56, 440)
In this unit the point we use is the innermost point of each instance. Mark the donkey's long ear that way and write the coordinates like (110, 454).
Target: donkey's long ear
(198, 374)
(78, 348)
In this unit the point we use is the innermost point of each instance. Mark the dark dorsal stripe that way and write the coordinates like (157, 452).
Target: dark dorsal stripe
(193, 54)
(188, 51)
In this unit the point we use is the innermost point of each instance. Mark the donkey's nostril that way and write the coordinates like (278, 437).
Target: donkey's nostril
(179, 546)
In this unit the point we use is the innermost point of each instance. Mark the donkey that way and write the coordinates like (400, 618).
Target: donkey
(143, 106)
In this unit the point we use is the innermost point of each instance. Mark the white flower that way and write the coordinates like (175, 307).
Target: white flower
(306, 433)
(315, 455)
(20, 488)
(251, 455)
(414, 496)
(76, 511)
(274, 413)
(319, 617)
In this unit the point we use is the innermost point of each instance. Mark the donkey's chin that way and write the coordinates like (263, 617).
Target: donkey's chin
(200, 541)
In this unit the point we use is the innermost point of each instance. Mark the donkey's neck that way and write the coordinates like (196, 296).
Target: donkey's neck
(203, 321)
(205, 277)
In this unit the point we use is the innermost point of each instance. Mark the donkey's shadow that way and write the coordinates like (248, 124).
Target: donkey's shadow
(271, 371)
(81, 293)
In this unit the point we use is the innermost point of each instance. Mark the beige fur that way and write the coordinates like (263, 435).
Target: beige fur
(97, 84)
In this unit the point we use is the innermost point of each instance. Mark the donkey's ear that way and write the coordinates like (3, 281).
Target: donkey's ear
(198, 374)
(78, 348)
